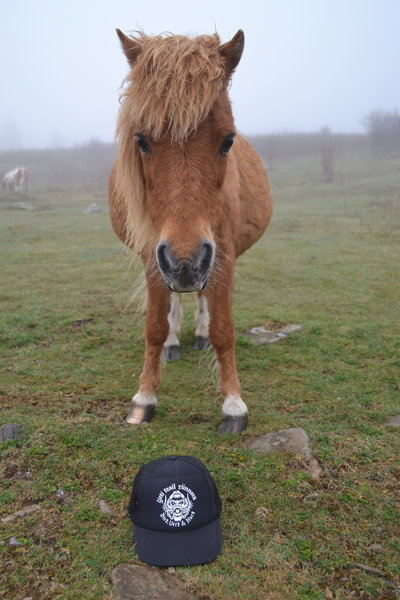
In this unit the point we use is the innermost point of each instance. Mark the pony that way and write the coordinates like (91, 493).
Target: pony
(188, 194)
(16, 180)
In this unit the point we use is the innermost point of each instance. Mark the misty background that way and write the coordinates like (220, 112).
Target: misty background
(311, 69)
(307, 64)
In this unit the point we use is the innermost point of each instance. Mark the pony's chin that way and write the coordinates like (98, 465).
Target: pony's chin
(183, 289)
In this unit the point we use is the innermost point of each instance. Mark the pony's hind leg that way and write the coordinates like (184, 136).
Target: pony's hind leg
(172, 349)
(202, 318)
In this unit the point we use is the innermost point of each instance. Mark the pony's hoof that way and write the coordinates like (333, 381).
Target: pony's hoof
(172, 352)
(233, 424)
(201, 343)
(140, 413)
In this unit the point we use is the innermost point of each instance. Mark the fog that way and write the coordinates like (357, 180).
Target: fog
(307, 64)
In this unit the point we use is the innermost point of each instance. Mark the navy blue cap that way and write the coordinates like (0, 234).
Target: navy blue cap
(175, 509)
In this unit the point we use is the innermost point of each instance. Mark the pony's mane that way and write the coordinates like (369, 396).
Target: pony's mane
(172, 85)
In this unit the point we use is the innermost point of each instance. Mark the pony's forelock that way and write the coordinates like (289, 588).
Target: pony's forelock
(173, 85)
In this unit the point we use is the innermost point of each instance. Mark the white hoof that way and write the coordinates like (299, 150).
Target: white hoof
(234, 406)
(142, 408)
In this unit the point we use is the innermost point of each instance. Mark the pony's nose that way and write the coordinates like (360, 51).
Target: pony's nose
(185, 274)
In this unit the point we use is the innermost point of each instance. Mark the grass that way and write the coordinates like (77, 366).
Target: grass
(71, 354)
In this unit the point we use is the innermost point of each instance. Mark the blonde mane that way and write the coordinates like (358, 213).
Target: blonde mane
(173, 84)
(170, 89)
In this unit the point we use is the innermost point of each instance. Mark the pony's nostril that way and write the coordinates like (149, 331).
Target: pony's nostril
(164, 257)
(206, 257)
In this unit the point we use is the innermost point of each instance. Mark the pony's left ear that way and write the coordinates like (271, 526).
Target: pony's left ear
(232, 52)
(131, 47)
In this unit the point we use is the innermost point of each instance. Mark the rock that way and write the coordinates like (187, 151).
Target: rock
(105, 508)
(394, 421)
(314, 470)
(376, 547)
(263, 335)
(368, 569)
(137, 582)
(27, 510)
(23, 206)
(61, 496)
(262, 512)
(9, 431)
(92, 208)
(14, 542)
(293, 441)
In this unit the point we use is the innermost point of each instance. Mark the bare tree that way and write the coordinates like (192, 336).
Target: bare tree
(383, 129)
(327, 154)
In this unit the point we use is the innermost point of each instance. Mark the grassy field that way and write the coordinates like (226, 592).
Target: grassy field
(71, 354)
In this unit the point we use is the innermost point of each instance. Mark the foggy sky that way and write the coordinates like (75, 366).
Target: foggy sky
(306, 64)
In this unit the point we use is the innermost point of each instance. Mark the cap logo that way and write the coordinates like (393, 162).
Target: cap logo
(177, 501)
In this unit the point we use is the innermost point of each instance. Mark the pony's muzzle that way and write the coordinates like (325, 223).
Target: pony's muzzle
(185, 274)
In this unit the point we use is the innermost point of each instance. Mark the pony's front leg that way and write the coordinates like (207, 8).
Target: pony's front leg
(222, 336)
(156, 331)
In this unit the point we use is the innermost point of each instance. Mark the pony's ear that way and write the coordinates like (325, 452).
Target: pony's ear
(232, 51)
(131, 47)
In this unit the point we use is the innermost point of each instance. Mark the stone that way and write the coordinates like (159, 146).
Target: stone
(263, 335)
(61, 496)
(293, 441)
(92, 208)
(314, 469)
(137, 582)
(27, 510)
(9, 431)
(262, 512)
(14, 542)
(394, 421)
(376, 547)
(23, 206)
(105, 508)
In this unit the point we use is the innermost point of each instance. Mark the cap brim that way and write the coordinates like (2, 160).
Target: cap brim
(179, 548)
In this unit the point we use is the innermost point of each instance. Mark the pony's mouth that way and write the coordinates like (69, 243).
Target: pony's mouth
(185, 275)
(182, 289)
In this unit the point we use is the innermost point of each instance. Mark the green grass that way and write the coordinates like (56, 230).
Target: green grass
(71, 353)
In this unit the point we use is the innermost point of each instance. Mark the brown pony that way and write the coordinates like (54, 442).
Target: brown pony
(188, 194)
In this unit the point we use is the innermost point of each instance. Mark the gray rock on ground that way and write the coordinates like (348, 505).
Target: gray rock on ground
(105, 508)
(293, 441)
(262, 335)
(27, 510)
(137, 582)
(394, 421)
(92, 208)
(23, 206)
(9, 431)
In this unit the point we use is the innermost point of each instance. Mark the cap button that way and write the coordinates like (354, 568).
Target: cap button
(173, 458)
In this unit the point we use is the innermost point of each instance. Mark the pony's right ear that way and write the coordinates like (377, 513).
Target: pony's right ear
(131, 47)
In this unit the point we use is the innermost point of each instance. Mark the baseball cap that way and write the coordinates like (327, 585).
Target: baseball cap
(175, 509)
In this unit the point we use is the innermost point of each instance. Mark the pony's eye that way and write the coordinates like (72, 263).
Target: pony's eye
(142, 143)
(226, 144)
